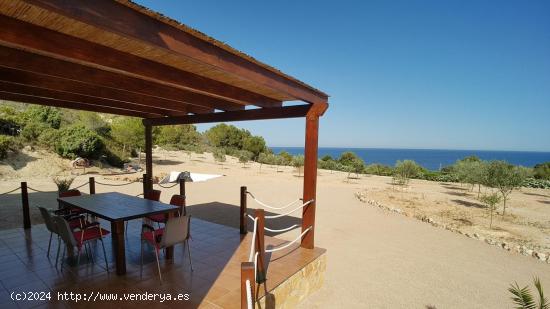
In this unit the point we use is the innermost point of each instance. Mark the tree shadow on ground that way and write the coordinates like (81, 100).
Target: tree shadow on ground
(453, 187)
(469, 204)
(545, 202)
(536, 194)
(168, 162)
(19, 160)
(457, 193)
(228, 215)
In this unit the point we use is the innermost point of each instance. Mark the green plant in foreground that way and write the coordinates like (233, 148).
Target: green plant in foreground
(525, 300)
(63, 183)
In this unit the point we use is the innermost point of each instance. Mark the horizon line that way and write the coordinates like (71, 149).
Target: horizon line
(398, 148)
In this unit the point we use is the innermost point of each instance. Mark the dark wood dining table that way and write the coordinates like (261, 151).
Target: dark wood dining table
(116, 208)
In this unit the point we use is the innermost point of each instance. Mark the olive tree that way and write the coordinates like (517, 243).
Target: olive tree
(298, 163)
(505, 178)
(471, 172)
(404, 171)
(219, 156)
(491, 200)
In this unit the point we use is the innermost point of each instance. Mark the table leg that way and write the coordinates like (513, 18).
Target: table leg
(170, 250)
(117, 234)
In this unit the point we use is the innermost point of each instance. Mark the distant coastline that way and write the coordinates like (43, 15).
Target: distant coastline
(431, 159)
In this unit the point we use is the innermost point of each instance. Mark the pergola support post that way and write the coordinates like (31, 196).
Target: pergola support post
(310, 178)
(148, 177)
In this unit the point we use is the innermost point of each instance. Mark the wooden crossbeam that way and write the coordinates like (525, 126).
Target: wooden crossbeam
(72, 97)
(41, 40)
(251, 114)
(23, 98)
(46, 67)
(157, 33)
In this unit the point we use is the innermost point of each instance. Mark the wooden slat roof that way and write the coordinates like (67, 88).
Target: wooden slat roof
(123, 58)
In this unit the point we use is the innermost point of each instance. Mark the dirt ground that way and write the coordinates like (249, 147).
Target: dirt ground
(376, 258)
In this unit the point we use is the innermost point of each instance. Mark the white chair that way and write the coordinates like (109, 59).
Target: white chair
(174, 232)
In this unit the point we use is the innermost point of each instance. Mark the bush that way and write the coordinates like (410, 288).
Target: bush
(536, 183)
(49, 138)
(5, 145)
(78, 141)
(379, 169)
(542, 171)
(405, 170)
(50, 116)
(32, 131)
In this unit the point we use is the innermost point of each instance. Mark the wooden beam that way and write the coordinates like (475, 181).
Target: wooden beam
(310, 177)
(38, 39)
(148, 182)
(16, 97)
(71, 97)
(51, 67)
(139, 26)
(54, 83)
(251, 114)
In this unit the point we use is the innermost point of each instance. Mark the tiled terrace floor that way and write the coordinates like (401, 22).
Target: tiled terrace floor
(217, 252)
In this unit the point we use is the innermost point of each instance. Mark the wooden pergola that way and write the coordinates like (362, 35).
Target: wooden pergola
(121, 58)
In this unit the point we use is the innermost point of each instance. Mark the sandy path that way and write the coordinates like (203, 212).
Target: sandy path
(375, 259)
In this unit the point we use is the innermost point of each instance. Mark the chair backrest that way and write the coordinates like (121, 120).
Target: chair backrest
(176, 231)
(179, 200)
(64, 230)
(48, 220)
(69, 193)
(153, 195)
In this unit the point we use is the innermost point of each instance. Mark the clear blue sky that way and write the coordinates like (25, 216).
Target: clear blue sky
(401, 74)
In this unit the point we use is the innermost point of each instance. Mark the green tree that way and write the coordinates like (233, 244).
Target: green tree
(330, 165)
(379, 169)
(405, 170)
(219, 155)
(285, 158)
(255, 145)
(348, 158)
(179, 136)
(298, 163)
(226, 136)
(471, 172)
(357, 166)
(78, 141)
(263, 158)
(130, 133)
(327, 158)
(491, 200)
(504, 177)
(245, 156)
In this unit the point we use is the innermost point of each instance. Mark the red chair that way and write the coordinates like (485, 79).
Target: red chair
(80, 238)
(176, 200)
(153, 195)
(71, 193)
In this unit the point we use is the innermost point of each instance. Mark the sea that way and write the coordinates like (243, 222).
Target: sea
(432, 159)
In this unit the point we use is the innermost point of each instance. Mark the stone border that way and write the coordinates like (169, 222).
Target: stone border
(298, 287)
(541, 256)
